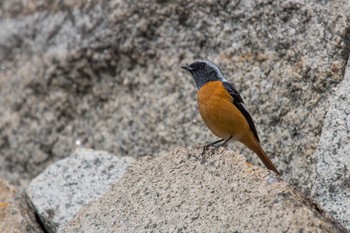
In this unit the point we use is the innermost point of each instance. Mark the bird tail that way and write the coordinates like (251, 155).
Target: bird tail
(255, 146)
(267, 162)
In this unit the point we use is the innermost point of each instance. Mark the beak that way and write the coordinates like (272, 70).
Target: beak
(188, 68)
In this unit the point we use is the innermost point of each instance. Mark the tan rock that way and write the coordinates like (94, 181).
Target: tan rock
(14, 216)
(187, 191)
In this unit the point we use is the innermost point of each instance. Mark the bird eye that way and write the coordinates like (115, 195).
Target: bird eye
(202, 65)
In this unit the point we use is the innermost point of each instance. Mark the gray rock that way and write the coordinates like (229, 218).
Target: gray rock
(15, 216)
(332, 186)
(187, 191)
(59, 192)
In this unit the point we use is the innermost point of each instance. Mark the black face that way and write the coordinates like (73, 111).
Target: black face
(203, 72)
(198, 67)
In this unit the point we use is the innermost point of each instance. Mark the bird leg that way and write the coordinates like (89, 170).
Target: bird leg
(213, 143)
(206, 147)
(223, 144)
(216, 144)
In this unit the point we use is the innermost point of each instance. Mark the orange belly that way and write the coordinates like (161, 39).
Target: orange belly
(224, 119)
(219, 113)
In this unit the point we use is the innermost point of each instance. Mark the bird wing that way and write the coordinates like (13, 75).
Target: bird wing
(238, 102)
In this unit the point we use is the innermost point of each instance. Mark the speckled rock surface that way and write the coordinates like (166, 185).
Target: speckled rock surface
(107, 74)
(187, 191)
(15, 216)
(332, 186)
(59, 192)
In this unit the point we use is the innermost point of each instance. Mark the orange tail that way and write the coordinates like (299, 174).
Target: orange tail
(254, 145)
(267, 162)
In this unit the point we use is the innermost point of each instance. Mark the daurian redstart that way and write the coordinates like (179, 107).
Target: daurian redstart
(223, 110)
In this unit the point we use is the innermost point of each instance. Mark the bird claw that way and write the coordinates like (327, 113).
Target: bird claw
(205, 148)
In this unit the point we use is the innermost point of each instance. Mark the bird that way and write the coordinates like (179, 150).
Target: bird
(223, 109)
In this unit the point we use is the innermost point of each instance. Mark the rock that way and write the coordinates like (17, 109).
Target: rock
(59, 192)
(188, 191)
(332, 186)
(15, 216)
(72, 69)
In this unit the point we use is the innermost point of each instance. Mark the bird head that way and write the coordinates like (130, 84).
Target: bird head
(204, 71)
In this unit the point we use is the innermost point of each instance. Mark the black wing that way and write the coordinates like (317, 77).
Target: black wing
(238, 102)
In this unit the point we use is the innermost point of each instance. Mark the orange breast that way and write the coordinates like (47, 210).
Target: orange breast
(219, 113)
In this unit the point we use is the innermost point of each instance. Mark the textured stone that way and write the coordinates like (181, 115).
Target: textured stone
(187, 191)
(332, 186)
(106, 73)
(63, 188)
(15, 216)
